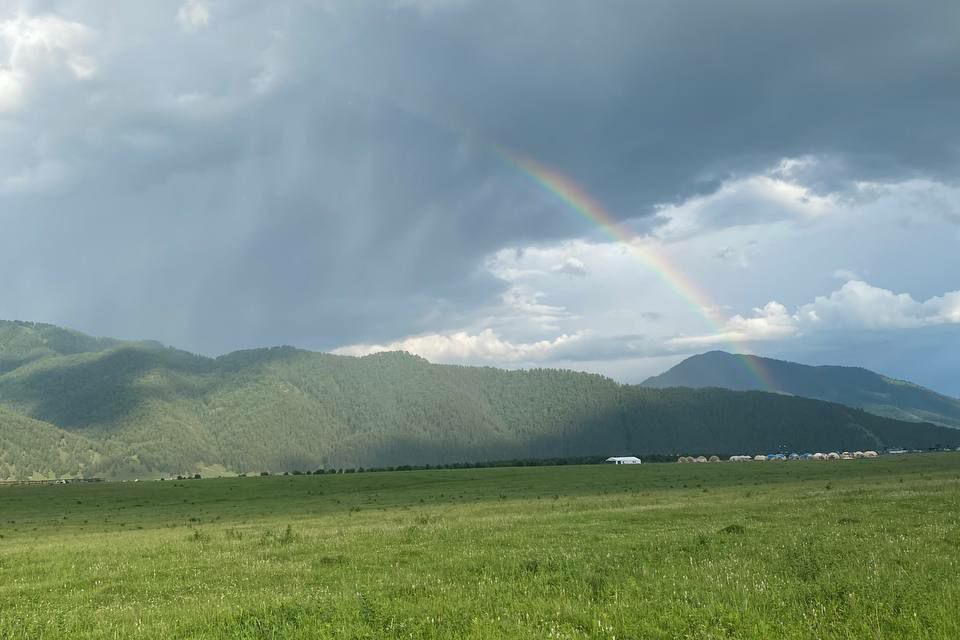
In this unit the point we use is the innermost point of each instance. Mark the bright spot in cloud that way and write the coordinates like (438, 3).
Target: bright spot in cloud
(572, 267)
(193, 15)
(39, 46)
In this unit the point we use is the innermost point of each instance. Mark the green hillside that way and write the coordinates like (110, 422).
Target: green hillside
(34, 449)
(116, 409)
(25, 342)
(851, 386)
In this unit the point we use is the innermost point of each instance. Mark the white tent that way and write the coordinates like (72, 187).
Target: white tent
(623, 460)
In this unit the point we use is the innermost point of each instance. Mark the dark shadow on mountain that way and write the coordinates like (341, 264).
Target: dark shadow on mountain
(247, 358)
(676, 421)
(9, 364)
(684, 421)
(104, 390)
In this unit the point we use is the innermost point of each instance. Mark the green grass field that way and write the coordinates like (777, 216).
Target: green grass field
(854, 549)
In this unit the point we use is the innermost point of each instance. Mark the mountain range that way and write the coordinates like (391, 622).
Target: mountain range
(74, 405)
(852, 386)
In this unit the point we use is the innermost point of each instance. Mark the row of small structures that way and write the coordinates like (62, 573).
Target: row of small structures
(776, 457)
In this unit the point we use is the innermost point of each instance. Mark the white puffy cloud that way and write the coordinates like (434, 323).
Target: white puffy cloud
(770, 322)
(193, 15)
(858, 305)
(753, 200)
(846, 275)
(485, 347)
(582, 350)
(520, 300)
(571, 266)
(41, 46)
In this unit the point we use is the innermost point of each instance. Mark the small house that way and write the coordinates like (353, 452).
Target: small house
(622, 460)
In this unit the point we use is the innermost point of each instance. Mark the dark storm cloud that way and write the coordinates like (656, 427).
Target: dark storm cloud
(647, 101)
(321, 173)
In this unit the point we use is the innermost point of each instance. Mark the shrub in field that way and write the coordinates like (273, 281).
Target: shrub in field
(198, 535)
(734, 529)
(285, 537)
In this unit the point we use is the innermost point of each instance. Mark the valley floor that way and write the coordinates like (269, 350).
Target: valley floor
(856, 549)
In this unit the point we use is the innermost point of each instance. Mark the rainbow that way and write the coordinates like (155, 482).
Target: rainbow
(578, 200)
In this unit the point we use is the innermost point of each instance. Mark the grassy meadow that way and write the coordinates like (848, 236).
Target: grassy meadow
(852, 549)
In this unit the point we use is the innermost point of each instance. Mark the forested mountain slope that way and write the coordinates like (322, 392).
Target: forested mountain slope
(34, 449)
(120, 409)
(25, 342)
(851, 386)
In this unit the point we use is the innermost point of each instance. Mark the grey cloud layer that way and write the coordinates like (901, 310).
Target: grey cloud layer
(316, 173)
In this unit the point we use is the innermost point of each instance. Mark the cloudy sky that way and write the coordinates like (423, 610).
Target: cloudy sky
(343, 175)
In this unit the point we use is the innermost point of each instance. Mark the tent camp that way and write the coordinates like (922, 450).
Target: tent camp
(622, 460)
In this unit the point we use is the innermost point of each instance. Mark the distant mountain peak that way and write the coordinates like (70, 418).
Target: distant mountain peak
(853, 386)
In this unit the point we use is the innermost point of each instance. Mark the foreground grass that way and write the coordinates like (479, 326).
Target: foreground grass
(858, 549)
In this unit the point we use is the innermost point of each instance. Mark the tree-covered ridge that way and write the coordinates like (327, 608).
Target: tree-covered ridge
(137, 410)
(852, 386)
(24, 342)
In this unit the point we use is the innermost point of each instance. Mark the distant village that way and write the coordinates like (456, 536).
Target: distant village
(774, 457)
